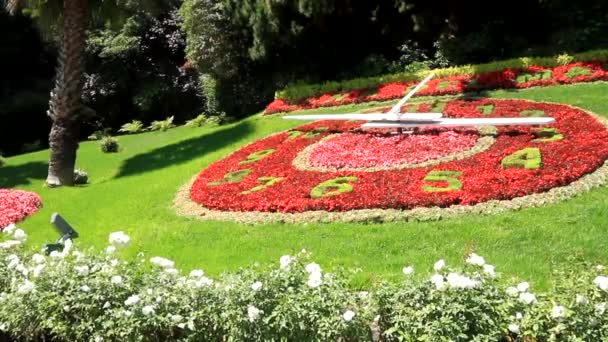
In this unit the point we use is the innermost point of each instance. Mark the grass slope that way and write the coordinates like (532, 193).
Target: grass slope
(132, 191)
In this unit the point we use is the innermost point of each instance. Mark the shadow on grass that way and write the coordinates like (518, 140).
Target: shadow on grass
(15, 175)
(183, 151)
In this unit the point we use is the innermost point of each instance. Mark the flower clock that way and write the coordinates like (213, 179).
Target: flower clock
(334, 170)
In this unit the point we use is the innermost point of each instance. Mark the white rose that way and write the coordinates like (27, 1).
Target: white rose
(527, 297)
(285, 260)
(256, 286)
(162, 262)
(348, 315)
(408, 270)
(116, 280)
(19, 235)
(38, 259)
(558, 311)
(475, 259)
(147, 310)
(314, 280)
(439, 265)
(132, 300)
(514, 328)
(26, 287)
(601, 282)
(582, 300)
(9, 229)
(119, 239)
(439, 283)
(523, 287)
(110, 249)
(489, 270)
(82, 270)
(512, 291)
(196, 273)
(313, 268)
(253, 313)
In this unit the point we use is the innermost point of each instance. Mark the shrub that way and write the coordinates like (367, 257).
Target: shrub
(99, 134)
(220, 119)
(109, 144)
(197, 121)
(86, 295)
(2, 161)
(134, 126)
(80, 177)
(162, 125)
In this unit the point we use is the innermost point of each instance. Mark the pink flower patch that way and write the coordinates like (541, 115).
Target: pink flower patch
(359, 150)
(16, 205)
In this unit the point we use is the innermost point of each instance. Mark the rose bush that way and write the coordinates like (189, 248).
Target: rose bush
(84, 295)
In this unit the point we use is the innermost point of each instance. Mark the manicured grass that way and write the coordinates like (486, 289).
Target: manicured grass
(132, 191)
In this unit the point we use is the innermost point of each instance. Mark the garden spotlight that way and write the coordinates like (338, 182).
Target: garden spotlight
(66, 232)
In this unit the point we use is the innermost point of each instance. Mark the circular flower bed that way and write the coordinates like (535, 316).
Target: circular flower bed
(334, 170)
(16, 205)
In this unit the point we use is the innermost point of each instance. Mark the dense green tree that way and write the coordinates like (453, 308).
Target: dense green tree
(69, 19)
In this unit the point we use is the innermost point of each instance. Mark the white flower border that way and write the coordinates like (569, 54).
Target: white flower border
(184, 206)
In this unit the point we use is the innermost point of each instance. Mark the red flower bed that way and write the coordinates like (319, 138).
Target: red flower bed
(16, 205)
(521, 161)
(533, 76)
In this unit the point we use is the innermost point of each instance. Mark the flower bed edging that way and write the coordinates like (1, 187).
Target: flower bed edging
(185, 206)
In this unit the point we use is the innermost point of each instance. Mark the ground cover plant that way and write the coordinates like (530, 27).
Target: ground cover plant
(78, 294)
(133, 191)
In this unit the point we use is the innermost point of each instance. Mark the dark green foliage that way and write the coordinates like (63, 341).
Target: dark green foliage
(108, 145)
(80, 177)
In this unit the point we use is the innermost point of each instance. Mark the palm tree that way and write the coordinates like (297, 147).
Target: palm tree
(65, 105)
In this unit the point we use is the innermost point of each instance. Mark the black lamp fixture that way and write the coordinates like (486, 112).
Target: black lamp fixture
(66, 232)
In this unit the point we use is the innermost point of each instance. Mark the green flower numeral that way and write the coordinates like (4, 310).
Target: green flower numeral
(528, 158)
(231, 177)
(443, 84)
(486, 109)
(333, 187)
(266, 182)
(527, 77)
(315, 132)
(547, 135)
(450, 177)
(293, 135)
(577, 71)
(532, 113)
(256, 156)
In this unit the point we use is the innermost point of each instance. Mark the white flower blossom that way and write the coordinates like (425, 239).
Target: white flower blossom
(582, 300)
(19, 235)
(203, 281)
(459, 281)
(9, 229)
(171, 271)
(253, 313)
(196, 273)
(176, 318)
(489, 270)
(518, 315)
(116, 280)
(408, 270)
(514, 328)
(147, 310)
(98, 339)
(285, 260)
(601, 282)
(132, 300)
(37, 270)
(85, 288)
(439, 265)
(162, 262)
(107, 305)
(13, 263)
(475, 259)
(523, 287)
(313, 268)
(38, 259)
(600, 308)
(22, 269)
(439, 283)
(26, 287)
(558, 311)
(512, 291)
(119, 239)
(110, 249)
(314, 280)
(256, 286)
(9, 244)
(82, 270)
(527, 297)
(348, 315)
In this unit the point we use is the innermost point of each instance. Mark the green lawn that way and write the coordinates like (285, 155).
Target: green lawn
(132, 191)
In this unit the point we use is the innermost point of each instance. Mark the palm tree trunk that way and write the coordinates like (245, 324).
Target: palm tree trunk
(65, 105)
